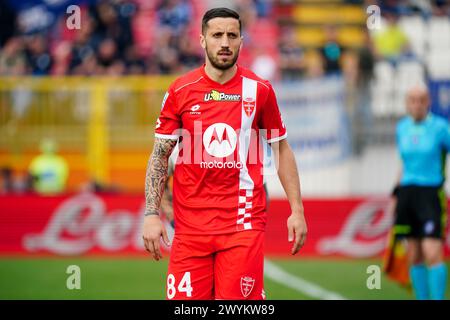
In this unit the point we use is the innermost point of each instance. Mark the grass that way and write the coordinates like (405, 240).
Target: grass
(139, 278)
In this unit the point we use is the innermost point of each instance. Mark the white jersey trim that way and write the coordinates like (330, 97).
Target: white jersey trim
(284, 136)
(246, 184)
(167, 136)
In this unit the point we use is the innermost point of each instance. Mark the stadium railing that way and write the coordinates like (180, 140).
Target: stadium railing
(102, 126)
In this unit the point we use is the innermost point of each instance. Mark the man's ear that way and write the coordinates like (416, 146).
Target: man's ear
(202, 41)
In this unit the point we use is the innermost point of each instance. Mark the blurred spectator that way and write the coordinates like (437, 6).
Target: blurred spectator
(292, 61)
(366, 60)
(134, 63)
(366, 65)
(441, 8)
(83, 46)
(105, 44)
(349, 66)
(7, 22)
(113, 20)
(188, 53)
(331, 50)
(88, 67)
(10, 182)
(38, 55)
(314, 65)
(357, 68)
(168, 60)
(12, 58)
(247, 12)
(165, 56)
(117, 68)
(107, 52)
(263, 7)
(48, 170)
(422, 6)
(108, 58)
(248, 16)
(391, 42)
(61, 57)
(426, 8)
(175, 14)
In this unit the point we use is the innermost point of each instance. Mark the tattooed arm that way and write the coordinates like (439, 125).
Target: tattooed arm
(155, 182)
(166, 201)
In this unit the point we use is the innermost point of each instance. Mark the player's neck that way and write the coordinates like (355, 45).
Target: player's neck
(220, 76)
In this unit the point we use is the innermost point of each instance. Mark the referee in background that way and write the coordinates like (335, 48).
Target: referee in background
(423, 140)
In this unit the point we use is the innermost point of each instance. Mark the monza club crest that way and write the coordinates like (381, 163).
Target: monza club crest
(249, 105)
(247, 284)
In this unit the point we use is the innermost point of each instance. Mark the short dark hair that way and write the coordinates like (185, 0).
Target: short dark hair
(220, 13)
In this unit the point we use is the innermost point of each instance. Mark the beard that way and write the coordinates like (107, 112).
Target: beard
(218, 63)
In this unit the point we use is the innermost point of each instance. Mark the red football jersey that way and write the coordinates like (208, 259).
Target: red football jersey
(218, 178)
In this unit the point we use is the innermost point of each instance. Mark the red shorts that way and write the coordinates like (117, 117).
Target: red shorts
(228, 266)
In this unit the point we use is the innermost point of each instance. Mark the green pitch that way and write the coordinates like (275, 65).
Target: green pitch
(140, 278)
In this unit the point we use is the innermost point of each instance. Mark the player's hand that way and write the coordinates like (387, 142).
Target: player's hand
(297, 230)
(153, 230)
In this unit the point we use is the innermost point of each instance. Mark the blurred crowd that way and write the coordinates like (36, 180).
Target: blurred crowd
(108, 43)
(104, 45)
(426, 8)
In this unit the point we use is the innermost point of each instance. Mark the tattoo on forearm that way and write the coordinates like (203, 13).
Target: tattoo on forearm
(166, 200)
(156, 175)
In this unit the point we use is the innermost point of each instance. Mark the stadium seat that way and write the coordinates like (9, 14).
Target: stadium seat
(410, 72)
(326, 14)
(310, 36)
(438, 34)
(391, 84)
(311, 18)
(382, 97)
(407, 74)
(315, 36)
(416, 31)
(351, 36)
(383, 88)
(384, 72)
(413, 25)
(438, 64)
